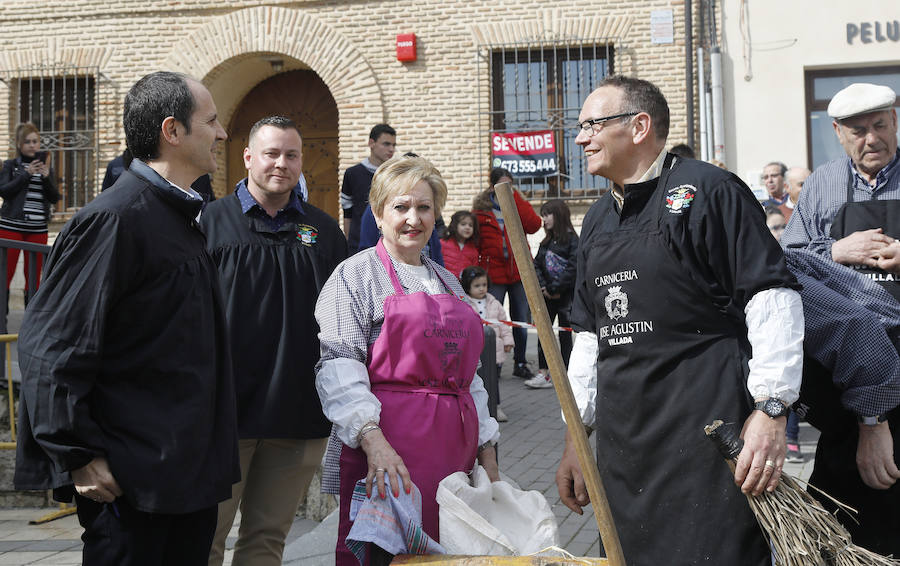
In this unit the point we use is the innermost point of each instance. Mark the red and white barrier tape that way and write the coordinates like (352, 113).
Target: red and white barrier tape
(517, 324)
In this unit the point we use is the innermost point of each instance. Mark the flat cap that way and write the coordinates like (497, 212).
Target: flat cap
(861, 98)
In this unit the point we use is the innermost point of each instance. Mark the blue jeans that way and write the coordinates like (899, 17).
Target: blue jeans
(518, 310)
(793, 427)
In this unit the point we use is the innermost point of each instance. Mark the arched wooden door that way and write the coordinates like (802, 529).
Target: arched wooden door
(304, 98)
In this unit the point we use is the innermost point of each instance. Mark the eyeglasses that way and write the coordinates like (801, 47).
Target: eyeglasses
(594, 125)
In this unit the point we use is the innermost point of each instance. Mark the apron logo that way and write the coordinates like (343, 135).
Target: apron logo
(450, 359)
(616, 303)
(679, 199)
(307, 235)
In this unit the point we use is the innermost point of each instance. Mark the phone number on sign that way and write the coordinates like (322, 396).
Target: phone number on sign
(522, 166)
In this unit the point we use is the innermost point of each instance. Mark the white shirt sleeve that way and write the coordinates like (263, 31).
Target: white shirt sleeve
(583, 375)
(347, 399)
(775, 329)
(488, 429)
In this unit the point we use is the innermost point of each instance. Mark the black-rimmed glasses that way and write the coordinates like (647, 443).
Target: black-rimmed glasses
(594, 125)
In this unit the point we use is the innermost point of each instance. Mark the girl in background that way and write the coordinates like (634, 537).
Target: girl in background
(459, 246)
(475, 283)
(555, 266)
(28, 191)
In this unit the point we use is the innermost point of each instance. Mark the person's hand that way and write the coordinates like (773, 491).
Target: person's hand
(889, 258)
(95, 481)
(875, 456)
(34, 167)
(569, 481)
(488, 460)
(383, 461)
(764, 443)
(544, 292)
(43, 169)
(508, 348)
(860, 248)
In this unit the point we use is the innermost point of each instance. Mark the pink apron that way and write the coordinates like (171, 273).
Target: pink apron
(420, 368)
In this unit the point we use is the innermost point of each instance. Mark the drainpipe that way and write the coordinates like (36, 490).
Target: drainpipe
(701, 87)
(715, 68)
(689, 69)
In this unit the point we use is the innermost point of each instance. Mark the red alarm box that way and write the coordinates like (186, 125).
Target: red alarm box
(406, 47)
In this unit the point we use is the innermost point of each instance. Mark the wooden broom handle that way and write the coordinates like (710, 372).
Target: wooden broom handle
(560, 380)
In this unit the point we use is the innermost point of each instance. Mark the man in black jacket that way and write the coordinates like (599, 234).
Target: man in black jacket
(127, 392)
(273, 253)
(358, 180)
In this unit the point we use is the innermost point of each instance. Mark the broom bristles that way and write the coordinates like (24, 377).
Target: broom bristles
(800, 531)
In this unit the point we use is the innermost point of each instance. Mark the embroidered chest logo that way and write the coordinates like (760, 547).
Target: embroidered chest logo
(616, 303)
(680, 198)
(307, 234)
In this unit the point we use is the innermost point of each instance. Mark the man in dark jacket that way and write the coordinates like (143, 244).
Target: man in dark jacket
(127, 393)
(358, 180)
(273, 253)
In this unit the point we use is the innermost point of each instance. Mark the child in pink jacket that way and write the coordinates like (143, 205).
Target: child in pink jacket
(474, 281)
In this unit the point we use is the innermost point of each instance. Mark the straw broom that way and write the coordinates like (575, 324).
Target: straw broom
(801, 532)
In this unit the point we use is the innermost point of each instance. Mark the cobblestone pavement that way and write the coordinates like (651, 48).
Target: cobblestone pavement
(529, 450)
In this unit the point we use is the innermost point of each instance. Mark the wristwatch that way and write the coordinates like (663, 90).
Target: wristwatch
(871, 421)
(773, 407)
(486, 445)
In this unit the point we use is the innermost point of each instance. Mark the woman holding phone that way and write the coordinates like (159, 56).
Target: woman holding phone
(28, 190)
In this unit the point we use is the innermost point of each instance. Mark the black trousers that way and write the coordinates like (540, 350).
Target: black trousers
(558, 308)
(121, 535)
(877, 527)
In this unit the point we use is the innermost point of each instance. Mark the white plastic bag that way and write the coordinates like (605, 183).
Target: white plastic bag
(484, 518)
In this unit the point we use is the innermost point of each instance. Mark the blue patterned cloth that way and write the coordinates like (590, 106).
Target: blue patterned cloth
(393, 523)
(852, 324)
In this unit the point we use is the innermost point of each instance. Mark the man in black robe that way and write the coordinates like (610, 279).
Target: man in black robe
(127, 393)
(273, 254)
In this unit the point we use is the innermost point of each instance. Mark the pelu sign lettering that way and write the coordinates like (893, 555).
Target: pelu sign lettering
(867, 32)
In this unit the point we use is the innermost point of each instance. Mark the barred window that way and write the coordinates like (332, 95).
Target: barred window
(538, 88)
(62, 103)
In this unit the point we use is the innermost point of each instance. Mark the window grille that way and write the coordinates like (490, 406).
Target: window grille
(538, 86)
(62, 102)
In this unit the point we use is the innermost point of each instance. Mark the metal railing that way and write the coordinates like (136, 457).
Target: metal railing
(7, 340)
(33, 252)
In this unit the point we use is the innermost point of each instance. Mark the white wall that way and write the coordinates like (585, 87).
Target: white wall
(765, 116)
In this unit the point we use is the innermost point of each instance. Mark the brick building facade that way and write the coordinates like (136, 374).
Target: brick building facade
(332, 66)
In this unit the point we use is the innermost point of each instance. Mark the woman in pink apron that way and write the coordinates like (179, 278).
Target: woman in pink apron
(399, 353)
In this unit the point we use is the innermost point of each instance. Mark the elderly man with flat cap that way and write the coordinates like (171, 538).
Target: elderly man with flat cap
(849, 211)
(850, 207)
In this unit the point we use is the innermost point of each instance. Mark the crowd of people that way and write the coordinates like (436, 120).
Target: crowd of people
(186, 357)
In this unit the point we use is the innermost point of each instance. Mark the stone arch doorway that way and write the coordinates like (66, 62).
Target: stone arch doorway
(303, 97)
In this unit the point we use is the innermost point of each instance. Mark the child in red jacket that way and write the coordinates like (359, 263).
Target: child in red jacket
(459, 246)
(495, 256)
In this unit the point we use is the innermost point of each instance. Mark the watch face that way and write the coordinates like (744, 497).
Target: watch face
(774, 408)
